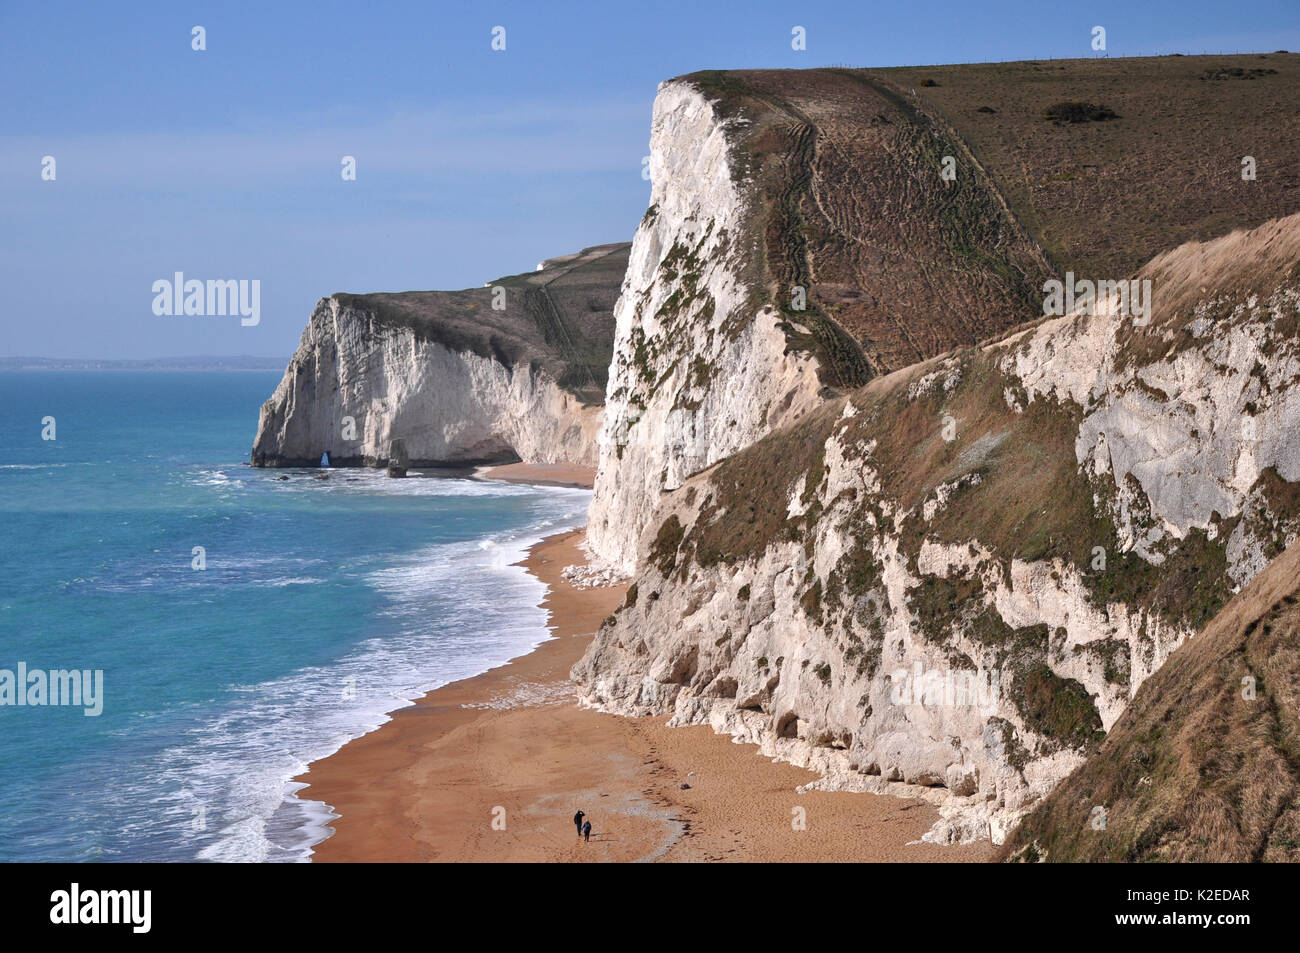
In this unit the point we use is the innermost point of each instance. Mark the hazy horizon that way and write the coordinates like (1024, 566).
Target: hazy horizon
(179, 360)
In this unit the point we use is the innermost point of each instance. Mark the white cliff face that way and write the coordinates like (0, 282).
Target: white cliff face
(849, 639)
(854, 690)
(1195, 429)
(448, 407)
(700, 369)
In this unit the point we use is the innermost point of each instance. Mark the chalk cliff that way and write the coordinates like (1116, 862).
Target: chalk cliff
(882, 517)
(799, 241)
(515, 370)
(957, 575)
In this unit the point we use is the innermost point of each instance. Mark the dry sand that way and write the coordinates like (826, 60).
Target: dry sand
(545, 474)
(512, 745)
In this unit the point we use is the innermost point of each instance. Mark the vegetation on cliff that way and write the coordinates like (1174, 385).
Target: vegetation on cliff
(559, 319)
(1204, 764)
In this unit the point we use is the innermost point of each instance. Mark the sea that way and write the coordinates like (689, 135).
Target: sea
(244, 624)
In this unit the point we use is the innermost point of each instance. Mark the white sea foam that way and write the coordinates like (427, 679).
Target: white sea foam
(215, 478)
(350, 479)
(461, 609)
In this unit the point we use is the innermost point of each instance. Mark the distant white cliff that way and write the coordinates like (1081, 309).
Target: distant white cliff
(453, 378)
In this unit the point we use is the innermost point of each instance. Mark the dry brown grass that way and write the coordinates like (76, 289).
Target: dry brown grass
(845, 164)
(1193, 771)
(853, 208)
(1104, 197)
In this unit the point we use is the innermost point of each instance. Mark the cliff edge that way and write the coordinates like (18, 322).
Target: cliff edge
(800, 241)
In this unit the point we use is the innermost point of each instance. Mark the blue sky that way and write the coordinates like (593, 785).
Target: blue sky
(471, 163)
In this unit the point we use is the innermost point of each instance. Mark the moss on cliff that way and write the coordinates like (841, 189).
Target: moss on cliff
(748, 506)
(663, 551)
(1059, 709)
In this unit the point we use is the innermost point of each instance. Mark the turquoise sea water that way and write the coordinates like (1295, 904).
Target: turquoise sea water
(324, 604)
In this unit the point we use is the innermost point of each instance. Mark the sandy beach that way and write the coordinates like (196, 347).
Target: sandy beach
(542, 474)
(492, 768)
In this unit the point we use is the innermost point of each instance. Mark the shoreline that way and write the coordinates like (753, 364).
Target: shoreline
(493, 767)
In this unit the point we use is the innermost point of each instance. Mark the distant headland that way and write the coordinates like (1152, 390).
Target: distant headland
(202, 363)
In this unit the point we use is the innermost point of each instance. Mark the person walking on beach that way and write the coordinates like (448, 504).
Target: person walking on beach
(577, 822)
(586, 831)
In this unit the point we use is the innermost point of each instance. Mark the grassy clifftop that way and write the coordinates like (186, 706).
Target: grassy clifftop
(898, 265)
(559, 318)
(1103, 197)
(901, 265)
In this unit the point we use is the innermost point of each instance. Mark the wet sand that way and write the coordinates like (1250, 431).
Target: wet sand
(492, 768)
